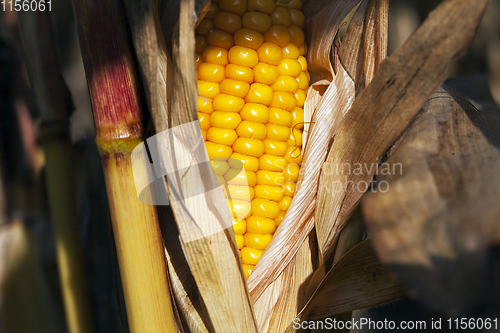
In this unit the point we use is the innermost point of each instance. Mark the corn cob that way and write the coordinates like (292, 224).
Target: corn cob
(252, 85)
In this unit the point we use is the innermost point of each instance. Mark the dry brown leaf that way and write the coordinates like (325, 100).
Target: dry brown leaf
(358, 281)
(200, 210)
(436, 223)
(375, 39)
(385, 108)
(351, 52)
(323, 20)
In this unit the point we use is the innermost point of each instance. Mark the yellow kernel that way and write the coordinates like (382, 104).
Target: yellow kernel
(247, 269)
(214, 9)
(242, 56)
(240, 192)
(278, 35)
(295, 138)
(272, 163)
(255, 112)
(265, 6)
(300, 97)
(269, 53)
(216, 150)
(247, 146)
(198, 60)
(205, 105)
(239, 73)
(257, 241)
(240, 227)
(303, 49)
(220, 166)
(285, 202)
(250, 163)
(279, 218)
(259, 22)
(227, 22)
(204, 121)
(233, 6)
(201, 43)
(289, 67)
(229, 120)
(289, 189)
(208, 89)
(290, 51)
(223, 136)
(248, 38)
(211, 72)
(260, 225)
(292, 172)
(239, 208)
(276, 132)
(265, 177)
(220, 39)
(250, 256)
(204, 134)
(294, 155)
(215, 55)
(297, 118)
(265, 208)
(228, 103)
(234, 88)
(269, 192)
(303, 63)
(303, 81)
(279, 117)
(285, 83)
(308, 76)
(264, 73)
(250, 129)
(204, 27)
(297, 17)
(240, 177)
(275, 147)
(294, 4)
(282, 100)
(259, 93)
(240, 241)
(281, 15)
(296, 35)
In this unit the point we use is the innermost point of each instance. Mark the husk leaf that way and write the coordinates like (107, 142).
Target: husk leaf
(358, 281)
(211, 254)
(437, 225)
(385, 108)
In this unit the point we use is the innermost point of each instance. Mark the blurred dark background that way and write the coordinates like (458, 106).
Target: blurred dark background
(30, 298)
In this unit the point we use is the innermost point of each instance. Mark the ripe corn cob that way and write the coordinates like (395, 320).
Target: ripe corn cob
(252, 85)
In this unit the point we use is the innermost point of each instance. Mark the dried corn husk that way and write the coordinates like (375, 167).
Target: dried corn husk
(446, 199)
(291, 260)
(203, 221)
(384, 109)
(358, 281)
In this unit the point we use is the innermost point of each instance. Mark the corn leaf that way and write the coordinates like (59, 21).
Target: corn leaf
(436, 225)
(384, 109)
(358, 281)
